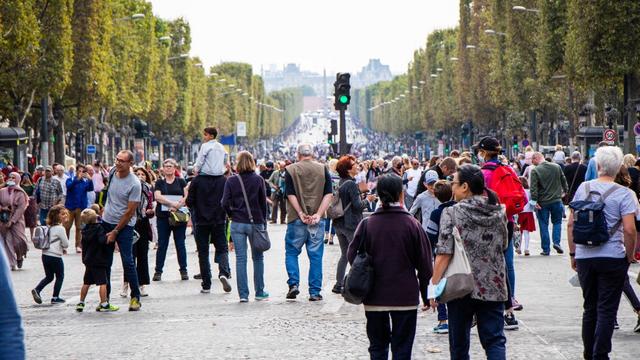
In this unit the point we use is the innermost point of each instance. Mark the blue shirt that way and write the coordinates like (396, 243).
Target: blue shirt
(592, 170)
(77, 189)
(212, 159)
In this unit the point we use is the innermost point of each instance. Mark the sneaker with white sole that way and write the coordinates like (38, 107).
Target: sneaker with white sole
(510, 322)
(125, 290)
(143, 291)
(226, 285)
(637, 328)
(441, 328)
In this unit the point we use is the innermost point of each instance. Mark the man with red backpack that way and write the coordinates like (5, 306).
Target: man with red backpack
(502, 180)
(548, 185)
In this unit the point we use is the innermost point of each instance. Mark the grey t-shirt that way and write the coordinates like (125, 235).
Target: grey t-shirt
(618, 204)
(121, 192)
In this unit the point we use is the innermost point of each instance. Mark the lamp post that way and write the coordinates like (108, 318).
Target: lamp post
(524, 9)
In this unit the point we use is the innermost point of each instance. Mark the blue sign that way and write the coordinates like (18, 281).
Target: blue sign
(91, 149)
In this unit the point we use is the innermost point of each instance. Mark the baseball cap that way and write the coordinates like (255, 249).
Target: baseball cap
(431, 176)
(487, 143)
(39, 167)
(48, 168)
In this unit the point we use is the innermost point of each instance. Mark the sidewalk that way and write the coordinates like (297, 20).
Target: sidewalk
(176, 321)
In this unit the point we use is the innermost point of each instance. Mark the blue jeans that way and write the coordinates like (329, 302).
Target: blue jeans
(125, 244)
(555, 210)
(43, 216)
(328, 227)
(240, 234)
(299, 234)
(508, 261)
(179, 235)
(490, 327)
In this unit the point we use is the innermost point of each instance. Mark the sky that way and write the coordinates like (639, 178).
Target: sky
(339, 36)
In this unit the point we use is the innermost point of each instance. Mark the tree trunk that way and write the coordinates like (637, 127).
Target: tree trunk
(573, 121)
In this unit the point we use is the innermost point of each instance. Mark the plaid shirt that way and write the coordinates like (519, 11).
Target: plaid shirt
(50, 192)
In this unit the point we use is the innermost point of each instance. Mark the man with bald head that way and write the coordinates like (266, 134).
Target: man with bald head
(548, 186)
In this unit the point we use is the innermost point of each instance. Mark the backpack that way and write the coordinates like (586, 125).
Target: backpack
(589, 221)
(41, 238)
(336, 210)
(508, 188)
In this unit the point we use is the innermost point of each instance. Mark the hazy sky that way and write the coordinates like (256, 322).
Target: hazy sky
(332, 34)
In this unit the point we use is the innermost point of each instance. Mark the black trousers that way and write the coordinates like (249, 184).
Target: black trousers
(279, 203)
(397, 328)
(601, 280)
(216, 234)
(53, 267)
(141, 252)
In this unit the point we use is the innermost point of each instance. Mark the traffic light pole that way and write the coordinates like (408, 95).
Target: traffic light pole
(342, 145)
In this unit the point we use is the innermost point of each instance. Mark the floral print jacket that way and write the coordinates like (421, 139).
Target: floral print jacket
(483, 228)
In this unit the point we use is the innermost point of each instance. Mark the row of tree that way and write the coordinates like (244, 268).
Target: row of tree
(113, 60)
(514, 71)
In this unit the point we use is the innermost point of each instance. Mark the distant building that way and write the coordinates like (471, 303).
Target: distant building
(370, 74)
(291, 76)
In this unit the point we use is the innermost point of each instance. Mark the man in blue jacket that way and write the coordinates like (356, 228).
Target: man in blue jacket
(11, 333)
(77, 189)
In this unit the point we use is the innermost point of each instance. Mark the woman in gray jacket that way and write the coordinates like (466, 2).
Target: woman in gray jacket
(353, 205)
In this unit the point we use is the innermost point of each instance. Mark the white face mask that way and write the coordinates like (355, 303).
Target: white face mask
(11, 183)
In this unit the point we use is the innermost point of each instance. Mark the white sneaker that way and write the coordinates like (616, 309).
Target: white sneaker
(143, 293)
(125, 290)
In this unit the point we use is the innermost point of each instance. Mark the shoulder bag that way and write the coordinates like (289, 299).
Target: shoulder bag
(259, 238)
(458, 278)
(359, 280)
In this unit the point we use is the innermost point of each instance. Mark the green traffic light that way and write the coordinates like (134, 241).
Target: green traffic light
(344, 99)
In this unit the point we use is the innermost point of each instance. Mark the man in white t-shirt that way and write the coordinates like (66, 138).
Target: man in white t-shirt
(413, 175)
(61, 177)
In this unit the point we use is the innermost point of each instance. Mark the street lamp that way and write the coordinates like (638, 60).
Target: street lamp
(522, 8)
(181, 56)
(454, 59)
(164, 38)
(471, 47)
(132, 17)
(494, 33)
(434, 75)
(422, 82)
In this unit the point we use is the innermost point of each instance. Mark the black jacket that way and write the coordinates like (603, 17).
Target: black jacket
(205, 194)
(95, 250)
(350, 194)
(578, 171)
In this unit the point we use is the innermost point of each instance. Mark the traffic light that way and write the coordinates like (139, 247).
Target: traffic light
(342, 91)
(329, 138)
(334, 127)
(515, 143)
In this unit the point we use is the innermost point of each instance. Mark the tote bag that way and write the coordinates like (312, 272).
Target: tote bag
(458, 277)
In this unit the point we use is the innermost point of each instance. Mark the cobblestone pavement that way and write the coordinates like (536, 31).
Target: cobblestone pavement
(177, 322)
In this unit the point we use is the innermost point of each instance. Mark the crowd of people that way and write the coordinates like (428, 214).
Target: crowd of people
(476, 204)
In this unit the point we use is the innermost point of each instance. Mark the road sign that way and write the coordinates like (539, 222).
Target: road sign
(241, 129)
(525, 143)
(636, 129)
(91, 149)
(609, 136)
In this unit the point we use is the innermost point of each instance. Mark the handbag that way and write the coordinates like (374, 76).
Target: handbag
(179, 218)
(259, 237)
(359, 280)
(458, 278)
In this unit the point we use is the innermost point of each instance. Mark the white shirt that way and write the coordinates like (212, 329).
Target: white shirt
(63, 182)
(212, 159)
(412, 186)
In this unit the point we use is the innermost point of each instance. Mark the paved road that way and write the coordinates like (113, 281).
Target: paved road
(177, 322)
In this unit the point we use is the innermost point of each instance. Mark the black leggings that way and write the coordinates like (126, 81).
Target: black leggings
(52, 266)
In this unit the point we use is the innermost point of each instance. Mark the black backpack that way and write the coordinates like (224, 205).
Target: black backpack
(589, 221)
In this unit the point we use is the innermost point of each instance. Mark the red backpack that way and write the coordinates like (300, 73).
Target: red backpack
(508, 187)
